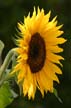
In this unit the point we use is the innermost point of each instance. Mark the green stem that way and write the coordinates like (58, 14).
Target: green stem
(6, 62)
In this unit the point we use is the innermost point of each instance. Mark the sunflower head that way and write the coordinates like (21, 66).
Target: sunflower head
(38, 53)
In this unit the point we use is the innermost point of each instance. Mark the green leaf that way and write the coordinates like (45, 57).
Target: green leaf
(56, 94)
(5, 95)
(1, 49)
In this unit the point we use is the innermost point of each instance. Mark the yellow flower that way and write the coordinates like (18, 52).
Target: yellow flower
(38, 53)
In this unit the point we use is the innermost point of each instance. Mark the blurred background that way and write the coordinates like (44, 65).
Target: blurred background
(13, 11)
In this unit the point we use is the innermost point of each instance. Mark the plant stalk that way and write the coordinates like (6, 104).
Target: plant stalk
(6, 62)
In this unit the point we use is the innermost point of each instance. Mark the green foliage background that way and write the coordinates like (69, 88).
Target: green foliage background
(13, 11)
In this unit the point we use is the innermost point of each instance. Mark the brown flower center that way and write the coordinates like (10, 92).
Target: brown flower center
(36, 53)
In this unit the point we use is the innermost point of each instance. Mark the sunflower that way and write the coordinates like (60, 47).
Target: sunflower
(38, 53)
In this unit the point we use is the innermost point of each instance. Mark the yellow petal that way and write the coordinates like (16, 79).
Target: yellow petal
(47, 16)
(39, 84)
(51, 35)
(25, 86)
(54, 68)
(47, 83)
(59, 41)
(54, 49)
(22, 73)
(31, 91)
(50, 73)
(54, 58)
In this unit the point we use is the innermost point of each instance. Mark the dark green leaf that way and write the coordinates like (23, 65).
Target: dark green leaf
(56, 94)
(15, 95)
(1, 47)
